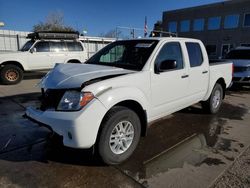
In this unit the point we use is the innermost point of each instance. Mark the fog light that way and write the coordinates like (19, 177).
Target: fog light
(70, 135)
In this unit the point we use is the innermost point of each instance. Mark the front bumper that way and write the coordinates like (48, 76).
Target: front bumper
(78, 129)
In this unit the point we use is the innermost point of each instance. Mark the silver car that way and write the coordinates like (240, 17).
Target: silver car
(241, 61)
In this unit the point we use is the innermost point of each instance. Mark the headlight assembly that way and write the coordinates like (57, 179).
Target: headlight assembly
(74, 100)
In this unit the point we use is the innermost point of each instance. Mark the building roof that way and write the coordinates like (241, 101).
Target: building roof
(223, 3)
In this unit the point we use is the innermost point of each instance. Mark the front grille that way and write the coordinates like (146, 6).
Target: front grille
(240, 69)
(51, 98)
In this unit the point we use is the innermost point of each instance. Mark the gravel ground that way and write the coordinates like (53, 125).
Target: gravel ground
(238, 174)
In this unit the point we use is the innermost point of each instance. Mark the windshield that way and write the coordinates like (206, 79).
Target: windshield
(238, 54)
(27, 45)
(131, 54)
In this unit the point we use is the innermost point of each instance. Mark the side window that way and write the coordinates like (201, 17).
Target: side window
(74, 46)
(42, 47)
(57, 47)
(171, 51)
(194, 54)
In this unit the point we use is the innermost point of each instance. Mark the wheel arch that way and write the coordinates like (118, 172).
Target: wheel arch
(13, 63)
(137, 108)
(73, 61)
(222, 82)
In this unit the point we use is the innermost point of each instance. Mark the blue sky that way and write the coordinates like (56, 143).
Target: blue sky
(95, 16)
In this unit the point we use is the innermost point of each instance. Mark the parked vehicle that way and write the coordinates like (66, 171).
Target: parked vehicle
(241, 61)
(42, 52)
(110, 100)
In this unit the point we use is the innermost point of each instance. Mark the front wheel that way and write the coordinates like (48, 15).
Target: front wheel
(120, 134)
(212, 105)
(11, 74)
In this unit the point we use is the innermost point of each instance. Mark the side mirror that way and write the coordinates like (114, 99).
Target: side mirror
(167, 65)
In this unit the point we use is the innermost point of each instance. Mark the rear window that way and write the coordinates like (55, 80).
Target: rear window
(74, 46)
(194, 54)
(238, 54)
(57, 47)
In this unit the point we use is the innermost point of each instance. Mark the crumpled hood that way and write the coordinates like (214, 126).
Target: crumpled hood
(69, 75)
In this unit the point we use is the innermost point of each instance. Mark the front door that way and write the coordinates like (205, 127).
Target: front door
(40, 56)
(169, 88)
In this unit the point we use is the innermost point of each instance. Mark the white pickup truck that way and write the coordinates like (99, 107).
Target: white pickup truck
(110, 100)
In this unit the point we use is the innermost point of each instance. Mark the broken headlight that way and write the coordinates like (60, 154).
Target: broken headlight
(74, 100)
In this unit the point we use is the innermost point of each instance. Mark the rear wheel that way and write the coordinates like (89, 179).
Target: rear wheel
(11, 74)
(212, 105)
(120, 134)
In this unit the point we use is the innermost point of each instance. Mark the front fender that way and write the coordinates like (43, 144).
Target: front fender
(114, 96)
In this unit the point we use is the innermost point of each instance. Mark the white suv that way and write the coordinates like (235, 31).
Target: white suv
(40, 54)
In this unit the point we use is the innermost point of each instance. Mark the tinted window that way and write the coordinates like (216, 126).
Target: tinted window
(42, 47)
(27, 45)
(74, 46)
(198, 25)
(247, 20)
(231, 21)
(195, 54)
(172, 27)
(171, 51)
(125, 54)
(185, 26)
(238, 54)
(57, 47)
(214, 23)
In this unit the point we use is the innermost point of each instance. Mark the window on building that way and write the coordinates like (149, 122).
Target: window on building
(211, 50)
(214, 23)
(231, 21)
(247, 20)
(194, 54)
(198, 25)
(185, 26)
(172, 27)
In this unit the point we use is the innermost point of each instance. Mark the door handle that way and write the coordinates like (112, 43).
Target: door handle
(185, 76)
(204, 72)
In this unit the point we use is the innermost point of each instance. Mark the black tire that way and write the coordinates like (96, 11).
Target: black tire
(11, 74)
(112, 119)
(210, 106)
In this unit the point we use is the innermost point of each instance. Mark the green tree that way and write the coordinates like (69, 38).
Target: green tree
(53, 22)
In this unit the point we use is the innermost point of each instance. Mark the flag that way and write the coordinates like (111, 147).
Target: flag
(145, 27)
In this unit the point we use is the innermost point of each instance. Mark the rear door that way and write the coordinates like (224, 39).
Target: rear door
(169, 88)
(199, 71)
(59, 52)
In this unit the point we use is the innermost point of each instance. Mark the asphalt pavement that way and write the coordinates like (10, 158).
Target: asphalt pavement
(186, 149)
